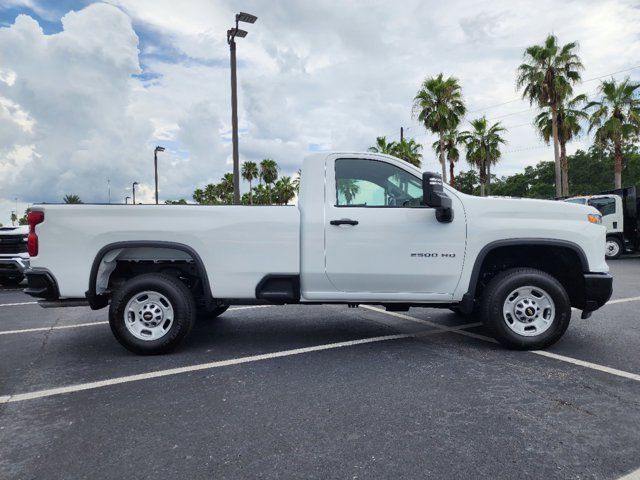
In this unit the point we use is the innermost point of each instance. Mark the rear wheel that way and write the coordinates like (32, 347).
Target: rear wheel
(526, 309)
(11, 281)
(152, 313)
(614, 248)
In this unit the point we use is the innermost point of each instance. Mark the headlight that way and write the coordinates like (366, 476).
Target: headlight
(594, 218)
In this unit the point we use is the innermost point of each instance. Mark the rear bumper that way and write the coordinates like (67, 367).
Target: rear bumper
(41, 284)
(598, 288)
(13, 266)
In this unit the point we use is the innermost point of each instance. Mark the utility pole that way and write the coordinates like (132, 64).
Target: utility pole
(155, 166)
(232, 33)
(401, 134)
(133, 187)
(109, 190)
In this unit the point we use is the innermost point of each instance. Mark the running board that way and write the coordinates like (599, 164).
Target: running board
(71, 302)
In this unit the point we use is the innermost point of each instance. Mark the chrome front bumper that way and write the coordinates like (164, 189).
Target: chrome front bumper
(13, 266)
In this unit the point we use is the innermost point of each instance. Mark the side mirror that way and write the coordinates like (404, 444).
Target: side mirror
(433, 196)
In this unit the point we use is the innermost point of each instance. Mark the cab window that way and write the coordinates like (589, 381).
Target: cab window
(606, 206)
(372, 183)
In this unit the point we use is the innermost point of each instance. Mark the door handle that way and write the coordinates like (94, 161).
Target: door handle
(344, 221)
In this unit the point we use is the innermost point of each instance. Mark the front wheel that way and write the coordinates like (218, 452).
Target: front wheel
(526, 309)
(614, 248)
(152, 313)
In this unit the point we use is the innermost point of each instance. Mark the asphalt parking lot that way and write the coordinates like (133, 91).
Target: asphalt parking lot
(320, 392)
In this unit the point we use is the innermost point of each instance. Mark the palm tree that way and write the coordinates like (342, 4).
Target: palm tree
(483, 148)
(409, 151)
(451, 141)
(348, 188)
(616, 119)
(268, 173)
(439, 107)
(250, 173)
(382, 146)
(569, 127)
(284, 191)
(547, 76)
(296, 181)
(72, 199)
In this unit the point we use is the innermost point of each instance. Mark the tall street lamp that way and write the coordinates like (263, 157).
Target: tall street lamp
(232, 33)
(126, 200)
(155, 166)
(133, 187)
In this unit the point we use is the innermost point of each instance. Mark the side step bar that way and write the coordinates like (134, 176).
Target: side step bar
(71, 302)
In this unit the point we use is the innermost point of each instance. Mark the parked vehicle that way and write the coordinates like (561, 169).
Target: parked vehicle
(368, 229)
(14, 259)
(619, 209)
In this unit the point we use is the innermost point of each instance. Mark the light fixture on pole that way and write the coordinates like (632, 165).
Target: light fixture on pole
(133, 187)
(155, 166)
(126, 200)
(231, 40)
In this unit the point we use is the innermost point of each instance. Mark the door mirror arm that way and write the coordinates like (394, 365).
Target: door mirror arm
(433, 196)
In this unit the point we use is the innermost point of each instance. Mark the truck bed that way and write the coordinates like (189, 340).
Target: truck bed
(238, 244)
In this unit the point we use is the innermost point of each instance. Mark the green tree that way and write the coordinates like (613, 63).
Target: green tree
(182, 201)
(268, 174)
(468, 182)
(569, 127)
(546, 77)
(296, 181)
(409, 151)
(284, 191)
(14, 218)
(23, 220)
(483, 148)
(349, 188)
(250, 173)
(73, 199)
(615, 119)
(452, 154)
(439, 106)
(382, 146)
(216, 193)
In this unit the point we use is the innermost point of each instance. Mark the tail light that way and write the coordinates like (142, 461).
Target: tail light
(34, 218)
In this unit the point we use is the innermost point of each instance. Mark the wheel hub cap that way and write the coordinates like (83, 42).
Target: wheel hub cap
(148, 315)
(528, 311)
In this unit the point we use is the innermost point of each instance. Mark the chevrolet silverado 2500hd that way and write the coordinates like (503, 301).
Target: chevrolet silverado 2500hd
(368, 229)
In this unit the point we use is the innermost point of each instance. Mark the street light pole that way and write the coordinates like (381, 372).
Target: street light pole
(133, 187)
(155, 166)
(126, 200)
(231, 40)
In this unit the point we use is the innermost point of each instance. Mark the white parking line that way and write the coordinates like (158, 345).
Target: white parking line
(91, 324)
(17, 304)
(635, 475)
(562, 358)
(221, 363)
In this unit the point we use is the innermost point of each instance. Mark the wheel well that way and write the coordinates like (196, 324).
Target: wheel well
(562, 262)
(117, 263)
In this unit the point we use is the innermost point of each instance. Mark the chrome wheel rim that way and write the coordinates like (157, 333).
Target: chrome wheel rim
(148, 315)
(529, 311)
(612, 248)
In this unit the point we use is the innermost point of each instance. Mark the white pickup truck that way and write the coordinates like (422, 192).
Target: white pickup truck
(368, 229)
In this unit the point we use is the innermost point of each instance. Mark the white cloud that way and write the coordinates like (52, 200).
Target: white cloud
(312, 75)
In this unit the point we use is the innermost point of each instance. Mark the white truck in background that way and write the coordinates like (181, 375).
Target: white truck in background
(620, 215)
(14, 259)
(368, 229)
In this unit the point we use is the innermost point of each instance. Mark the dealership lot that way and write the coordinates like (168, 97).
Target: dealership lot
(320, 392)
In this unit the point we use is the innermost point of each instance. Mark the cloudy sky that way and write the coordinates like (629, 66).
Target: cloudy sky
(87, 89)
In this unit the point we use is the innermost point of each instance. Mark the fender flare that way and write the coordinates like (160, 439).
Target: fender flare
(97, 302)
(467, 302)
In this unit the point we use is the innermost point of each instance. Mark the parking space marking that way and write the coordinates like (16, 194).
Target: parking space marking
(17, 304)
(593, 366)
(574, 361)
(622, 300)
(635, 475)
(220, 363)
(46, 329)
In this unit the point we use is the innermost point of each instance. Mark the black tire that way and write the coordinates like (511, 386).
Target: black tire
(180, 299)
(504, 284)
(614, 248)
(11, 281)
(204, 314)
